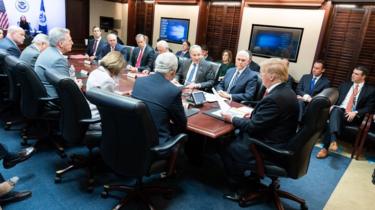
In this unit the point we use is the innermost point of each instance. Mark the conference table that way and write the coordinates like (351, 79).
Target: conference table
(199, 123)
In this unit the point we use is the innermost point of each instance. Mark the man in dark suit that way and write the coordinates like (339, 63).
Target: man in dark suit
(195, 73)
(252, 65)
(112, 45)
(15, 37)
(142, 56)
(311, 85)
(273, 121)
(239, 83)
(31, 53)
(184, 53)
(356, 98)
(205, 53)
(95, 45)
(162, 98)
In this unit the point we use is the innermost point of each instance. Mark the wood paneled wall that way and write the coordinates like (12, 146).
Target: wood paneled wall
(78, 24)
(350, 41)
(141, 20)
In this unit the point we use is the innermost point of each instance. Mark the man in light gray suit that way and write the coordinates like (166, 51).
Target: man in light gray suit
(15, 37)
(195, 73)
(31, 53)
(52, 59)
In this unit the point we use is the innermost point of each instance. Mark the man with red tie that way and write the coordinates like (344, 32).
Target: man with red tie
(94, 45)
(142, 56)
(356, 98)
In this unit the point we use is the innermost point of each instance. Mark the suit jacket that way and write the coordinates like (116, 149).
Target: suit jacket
(303, 86)
(254, 66)
(186, 55)
(30, 54)
(163, 102)
(365, 101)
(205, 75)
(90, 47)
(274, 119)
(107, 48)
(10, 47)
(51, 60)
(147, 58)
(245, 86)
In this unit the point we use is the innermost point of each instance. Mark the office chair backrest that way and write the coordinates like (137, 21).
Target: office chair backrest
(32, 90)
(10, 70)
(215, 67)
(129, 51)
(128, 132)
(313, 123)
(3, 54)
(260, 89)
(74, 107)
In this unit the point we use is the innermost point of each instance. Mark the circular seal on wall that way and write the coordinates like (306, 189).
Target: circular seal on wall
(22, 5)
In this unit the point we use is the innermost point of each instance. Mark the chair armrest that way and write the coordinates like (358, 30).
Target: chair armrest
(46, 99)
(90, 120)
(3, 75)
(268, 148)
(170, 144)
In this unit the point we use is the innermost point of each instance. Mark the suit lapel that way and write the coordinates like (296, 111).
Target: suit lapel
(362, 94)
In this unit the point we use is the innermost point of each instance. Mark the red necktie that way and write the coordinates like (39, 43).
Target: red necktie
(349, 106)
(138, 64)
(265, 94)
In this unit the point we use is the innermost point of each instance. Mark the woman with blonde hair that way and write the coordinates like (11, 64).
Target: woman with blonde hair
(106, 75)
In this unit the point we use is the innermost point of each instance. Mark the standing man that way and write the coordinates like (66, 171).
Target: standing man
(195, 73)
(162, 98)
(31, 53)
(311, 85)
(95, 44)
(112, 45)
(356, 98)
(273, 121)
(15, 37)
(53, 59)
(239, 83)
(142, 56)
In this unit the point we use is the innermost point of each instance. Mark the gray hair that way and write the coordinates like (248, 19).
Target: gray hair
(57, 35)
(14, 28)
(162, 44)
(165, 63)
(41, 38)
(195, 47)
(138, 36)
(244, 53)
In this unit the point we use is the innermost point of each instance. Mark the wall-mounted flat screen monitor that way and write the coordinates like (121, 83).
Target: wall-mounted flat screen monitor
(106, 23)
(174, 29)
(275, 41)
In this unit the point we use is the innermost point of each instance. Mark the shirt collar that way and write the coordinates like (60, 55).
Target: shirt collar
(272, 87)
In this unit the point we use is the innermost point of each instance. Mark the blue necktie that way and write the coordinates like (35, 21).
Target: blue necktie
(191, 75)
(312, 84)
(233, 81)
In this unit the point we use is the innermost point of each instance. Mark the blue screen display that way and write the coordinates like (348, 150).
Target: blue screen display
(174, 30)
(273, 40)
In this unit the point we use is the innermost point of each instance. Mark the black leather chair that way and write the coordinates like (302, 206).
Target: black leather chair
(74, 123)
(216, 67)
(35, 105)
(3, 76)
(259, 93)
(129, 144)
(292, 161)
(367, 131)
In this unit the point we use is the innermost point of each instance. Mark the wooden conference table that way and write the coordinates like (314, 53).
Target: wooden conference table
(199, 123)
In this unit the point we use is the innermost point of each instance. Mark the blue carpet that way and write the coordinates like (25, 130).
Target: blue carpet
(198, 188)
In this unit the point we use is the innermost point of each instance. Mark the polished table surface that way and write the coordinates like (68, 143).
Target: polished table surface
(199, 123)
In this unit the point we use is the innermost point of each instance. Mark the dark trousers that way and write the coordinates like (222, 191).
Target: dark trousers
(337, 122)
(3, 154)
(302, 106)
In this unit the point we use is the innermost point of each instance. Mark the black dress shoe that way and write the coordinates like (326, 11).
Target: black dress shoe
(21, 156)
(373, 177)
(14, 196)
(232, 196)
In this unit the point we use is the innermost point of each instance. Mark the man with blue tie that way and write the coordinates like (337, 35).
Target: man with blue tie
(356, 98)
(311, 85)
(15, 37)
(239, 83)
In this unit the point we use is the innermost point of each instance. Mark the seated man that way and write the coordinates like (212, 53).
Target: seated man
(195, 73)
(142, 56)
(95, 45)
(356, 98)
(205, 53)
(273, 121)
(161, 47)
(252, 64)
(9, 160)
(311, 85)
(15, 37)
(112, 45)
(162, 98)
(239, 83)
(32, 52)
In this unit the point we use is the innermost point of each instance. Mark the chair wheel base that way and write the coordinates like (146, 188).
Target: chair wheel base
(304, 207)
(104, 194)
